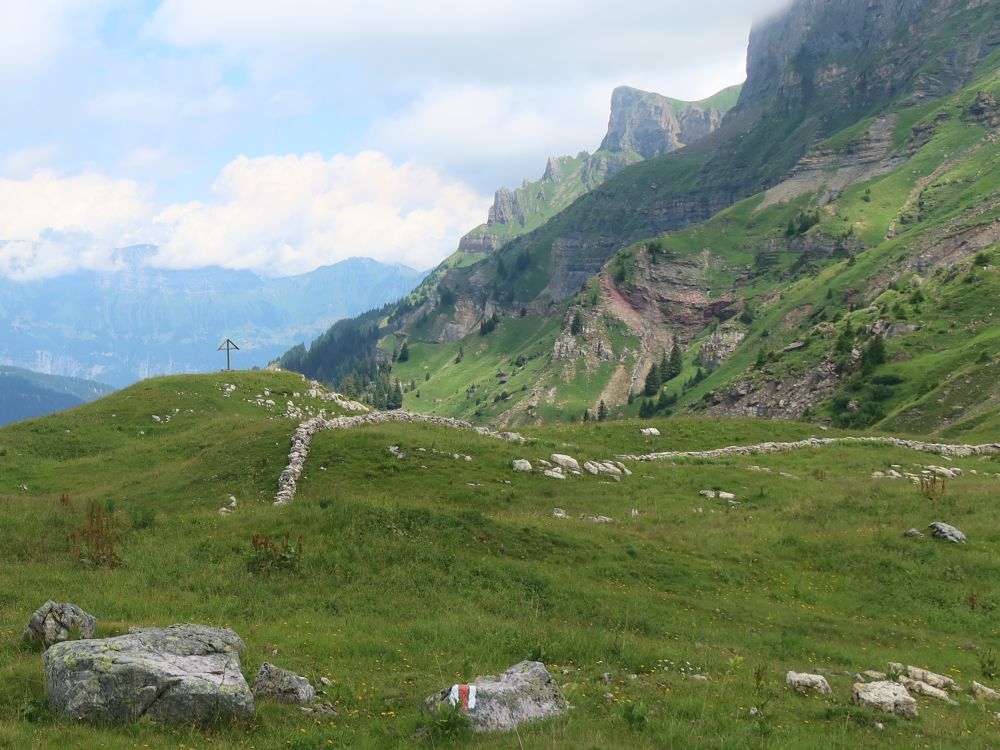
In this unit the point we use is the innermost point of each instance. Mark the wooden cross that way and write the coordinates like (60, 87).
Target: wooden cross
(228, 346)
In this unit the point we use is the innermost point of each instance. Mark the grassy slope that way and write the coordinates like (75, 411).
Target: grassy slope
(420, 572)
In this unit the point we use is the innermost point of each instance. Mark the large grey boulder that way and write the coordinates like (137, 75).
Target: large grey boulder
(55, 622)
(947, 533)
(525, 692)
(184, 673)
(281, 685)
(885, 696)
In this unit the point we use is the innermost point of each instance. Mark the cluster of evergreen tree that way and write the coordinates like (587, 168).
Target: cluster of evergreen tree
(345, 357)
(668, 368)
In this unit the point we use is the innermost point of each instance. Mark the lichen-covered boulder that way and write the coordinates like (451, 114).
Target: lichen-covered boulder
(526, 692)
(282, 685)
(184, 673)
(55, 622)
(885, 696)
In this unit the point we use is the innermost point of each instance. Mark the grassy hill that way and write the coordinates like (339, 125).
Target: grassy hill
(422, 571)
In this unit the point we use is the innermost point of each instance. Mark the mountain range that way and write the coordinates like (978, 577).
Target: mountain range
(828, 252)
(25, 394)
(118, 327)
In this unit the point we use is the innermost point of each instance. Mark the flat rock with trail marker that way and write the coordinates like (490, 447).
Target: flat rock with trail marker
(526, 692)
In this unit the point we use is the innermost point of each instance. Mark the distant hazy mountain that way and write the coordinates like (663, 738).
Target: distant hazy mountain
(25, 394)
(122, 326)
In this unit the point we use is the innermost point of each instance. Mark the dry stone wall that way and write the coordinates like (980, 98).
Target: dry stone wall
(303, 435)
(942, 449)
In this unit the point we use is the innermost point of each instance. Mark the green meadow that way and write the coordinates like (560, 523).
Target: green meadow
(422, 571)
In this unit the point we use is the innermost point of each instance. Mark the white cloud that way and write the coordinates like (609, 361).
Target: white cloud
(454, 40)
(275, 215)
(290, 214)
(51, 224)
(26, 161)
(33, 33)
(469, 127)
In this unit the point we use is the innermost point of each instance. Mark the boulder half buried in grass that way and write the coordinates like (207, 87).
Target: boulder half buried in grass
(526, 692)
(281, 685)
(186, 674)
(55, 622)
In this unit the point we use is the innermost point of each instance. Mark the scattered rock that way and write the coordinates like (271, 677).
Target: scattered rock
(180, 674)
(609, 467)
(566, 462)
(947, 533)
(591, 467)
(634, 513)
(922, 688)
(924, 675)
(913, 533)
(559, 513)
(397, 451)
(727, 496)
(526, 692)
(650, 431)
(806, 683)
(985, 692)
(706, 493)
(871, 674)
(598, 519)
(888, 697)
(555, 473)
(281, 685)
(521, 464)
(700, 677)
(55, 622)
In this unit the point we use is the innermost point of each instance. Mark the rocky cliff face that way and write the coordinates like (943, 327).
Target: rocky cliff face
(642, 125)
(650, 124)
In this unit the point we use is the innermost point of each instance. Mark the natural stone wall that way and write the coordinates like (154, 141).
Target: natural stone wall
(302, 437)
(943, 449)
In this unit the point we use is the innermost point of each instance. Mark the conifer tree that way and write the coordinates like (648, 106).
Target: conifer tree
(653, 381)
(676, 364)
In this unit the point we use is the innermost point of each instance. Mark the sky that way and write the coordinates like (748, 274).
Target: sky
(281, 135)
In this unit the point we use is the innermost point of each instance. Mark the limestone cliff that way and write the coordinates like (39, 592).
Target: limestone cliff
(651, 125)
(642, 125)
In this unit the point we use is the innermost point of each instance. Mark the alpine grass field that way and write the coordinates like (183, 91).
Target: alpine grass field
(421, 571)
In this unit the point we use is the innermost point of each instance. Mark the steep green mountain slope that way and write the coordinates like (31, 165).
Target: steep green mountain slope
(25, 394)
(758, 297)
(420, 571)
